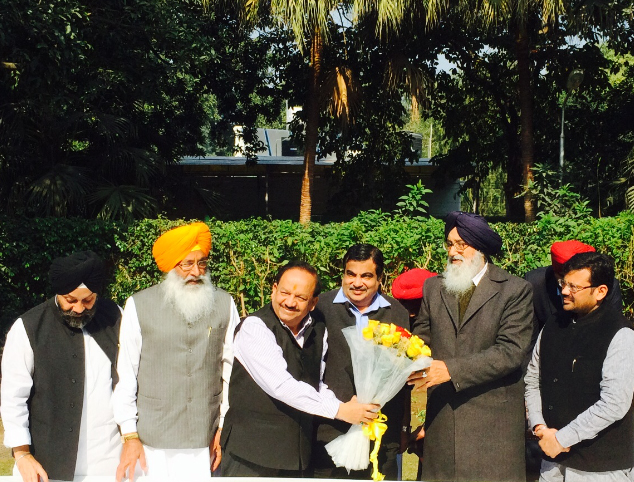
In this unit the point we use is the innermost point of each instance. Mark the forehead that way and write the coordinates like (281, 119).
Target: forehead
(360, 267)
(453, 235)
(194, 256)
(578, 277)
(79, 294)
(297, 281)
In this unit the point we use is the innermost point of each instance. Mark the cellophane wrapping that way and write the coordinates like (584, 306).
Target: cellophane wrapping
(379, 374)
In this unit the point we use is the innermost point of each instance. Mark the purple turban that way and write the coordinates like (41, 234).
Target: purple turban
(474, 230)
(84, 267)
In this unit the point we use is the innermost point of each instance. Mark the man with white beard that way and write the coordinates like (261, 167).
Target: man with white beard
(174, 365)
(478, 321)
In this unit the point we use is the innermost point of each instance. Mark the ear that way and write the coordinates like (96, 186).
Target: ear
(313, 303)
(273, 290)
(600, 292)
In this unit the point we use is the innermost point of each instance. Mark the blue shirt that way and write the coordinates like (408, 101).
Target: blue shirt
(362, 318)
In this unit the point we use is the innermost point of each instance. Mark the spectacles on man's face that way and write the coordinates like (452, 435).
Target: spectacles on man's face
(572, 288)
(188, 264)
(459, 246)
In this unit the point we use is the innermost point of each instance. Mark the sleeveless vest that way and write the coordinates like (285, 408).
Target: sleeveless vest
(56, 401)
(571, 361)
(261, 429)
(180, 372)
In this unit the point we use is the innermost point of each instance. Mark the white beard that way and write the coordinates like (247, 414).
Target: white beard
(458, 278)
(193, 301)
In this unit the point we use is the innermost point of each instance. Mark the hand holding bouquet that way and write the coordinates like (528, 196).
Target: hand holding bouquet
(381, 361)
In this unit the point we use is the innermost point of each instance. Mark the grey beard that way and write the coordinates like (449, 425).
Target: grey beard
(458, 279)
(191, 301)
(78, 321)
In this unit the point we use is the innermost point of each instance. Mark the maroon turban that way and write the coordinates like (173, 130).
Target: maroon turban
(474, 230)
(409, 285)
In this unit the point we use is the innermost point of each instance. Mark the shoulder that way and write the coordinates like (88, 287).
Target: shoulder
(396, 306)
(110, 311)
(537, 276)
(326, 299)
(147, 292)
(222, 293)
(497, 274)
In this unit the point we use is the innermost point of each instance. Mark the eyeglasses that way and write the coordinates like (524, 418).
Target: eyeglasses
(187, 265)
(572, 288)
(459, 246)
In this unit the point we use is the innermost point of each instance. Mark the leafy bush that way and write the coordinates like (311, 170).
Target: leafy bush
(246, 254)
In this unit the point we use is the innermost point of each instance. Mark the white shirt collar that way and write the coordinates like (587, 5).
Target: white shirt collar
(478, 277)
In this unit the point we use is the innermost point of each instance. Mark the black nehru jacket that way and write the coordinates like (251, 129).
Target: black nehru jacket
(339, 376)
(265, 431)
(571, 362)
(56, 401)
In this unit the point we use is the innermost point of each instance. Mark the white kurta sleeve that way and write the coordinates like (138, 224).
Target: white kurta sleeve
(130, 342)
(17, 381)
(255, 347)
(227, 361)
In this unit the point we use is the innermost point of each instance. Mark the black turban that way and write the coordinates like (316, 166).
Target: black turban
(474, 230)
(67, 274)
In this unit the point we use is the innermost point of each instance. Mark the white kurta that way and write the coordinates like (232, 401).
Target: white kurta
(165, 463)
(99, 443)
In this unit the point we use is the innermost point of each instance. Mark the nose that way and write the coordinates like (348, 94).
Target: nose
(78, 307)
(196, 271)
(452, 251)
(565, 290)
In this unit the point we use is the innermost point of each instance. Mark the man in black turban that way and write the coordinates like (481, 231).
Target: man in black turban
(58, 374)
(478, 320)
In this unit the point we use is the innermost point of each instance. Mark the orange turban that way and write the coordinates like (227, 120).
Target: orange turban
(562, 251)
(173, 246)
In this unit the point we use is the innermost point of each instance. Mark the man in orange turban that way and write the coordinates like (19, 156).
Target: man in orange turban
(175, 360)
(546, 293)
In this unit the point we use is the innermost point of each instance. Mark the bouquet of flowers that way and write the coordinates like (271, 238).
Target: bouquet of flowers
(381, 361)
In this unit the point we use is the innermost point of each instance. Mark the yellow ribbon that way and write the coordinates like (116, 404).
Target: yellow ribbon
(374, 431)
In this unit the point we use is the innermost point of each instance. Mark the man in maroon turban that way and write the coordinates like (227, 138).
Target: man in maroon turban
(547, 298)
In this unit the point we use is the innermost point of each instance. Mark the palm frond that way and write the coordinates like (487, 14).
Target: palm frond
(123, 203)
(342, 91)
(59, 192)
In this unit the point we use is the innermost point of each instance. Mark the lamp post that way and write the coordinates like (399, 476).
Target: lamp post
(574, 81)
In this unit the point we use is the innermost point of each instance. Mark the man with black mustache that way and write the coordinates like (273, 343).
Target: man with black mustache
(358, 300)
(58, 374)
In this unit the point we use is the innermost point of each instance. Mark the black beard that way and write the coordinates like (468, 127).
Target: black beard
(78, 321)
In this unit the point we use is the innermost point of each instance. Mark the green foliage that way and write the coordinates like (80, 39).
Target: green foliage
(246, 254)
(412, 204)
(555, 200)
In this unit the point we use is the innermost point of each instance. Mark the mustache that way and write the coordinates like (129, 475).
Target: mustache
(456, 257)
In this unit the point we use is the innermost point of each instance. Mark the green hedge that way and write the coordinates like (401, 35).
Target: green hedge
(246, 254)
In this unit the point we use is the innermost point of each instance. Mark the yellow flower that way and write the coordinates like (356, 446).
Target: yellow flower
(396, 336)
(392, 327)
(426, 351)
(413, 350)
(368, 333)
(373, 324)
(414, 340)
(387, 340)
(385, 329)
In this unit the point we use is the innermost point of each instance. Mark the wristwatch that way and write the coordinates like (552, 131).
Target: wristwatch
(129, 436)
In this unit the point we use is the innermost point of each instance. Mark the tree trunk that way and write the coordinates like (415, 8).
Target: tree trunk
(522, 50)
(312, 127)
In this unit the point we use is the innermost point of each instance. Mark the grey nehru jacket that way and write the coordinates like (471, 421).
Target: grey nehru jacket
(180, 372)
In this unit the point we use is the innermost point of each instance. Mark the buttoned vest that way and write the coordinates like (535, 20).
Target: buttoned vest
(180, 371)
(56, 400)
(261, 429)
(571, 362)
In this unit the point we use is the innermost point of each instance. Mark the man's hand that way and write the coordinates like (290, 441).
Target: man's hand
(548, 442)
(215, 454)
(354, 412)
(436, 374)
(416, 440)
(131, 452)
(29, 468)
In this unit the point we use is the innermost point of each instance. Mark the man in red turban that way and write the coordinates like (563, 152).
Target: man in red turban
(546, 293)
(175, 360)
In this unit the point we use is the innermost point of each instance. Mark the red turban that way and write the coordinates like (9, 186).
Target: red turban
(409, 285)
(173, 246)
(562, 251)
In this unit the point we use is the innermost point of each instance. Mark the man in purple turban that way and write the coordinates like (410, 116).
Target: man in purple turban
(478, 320)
